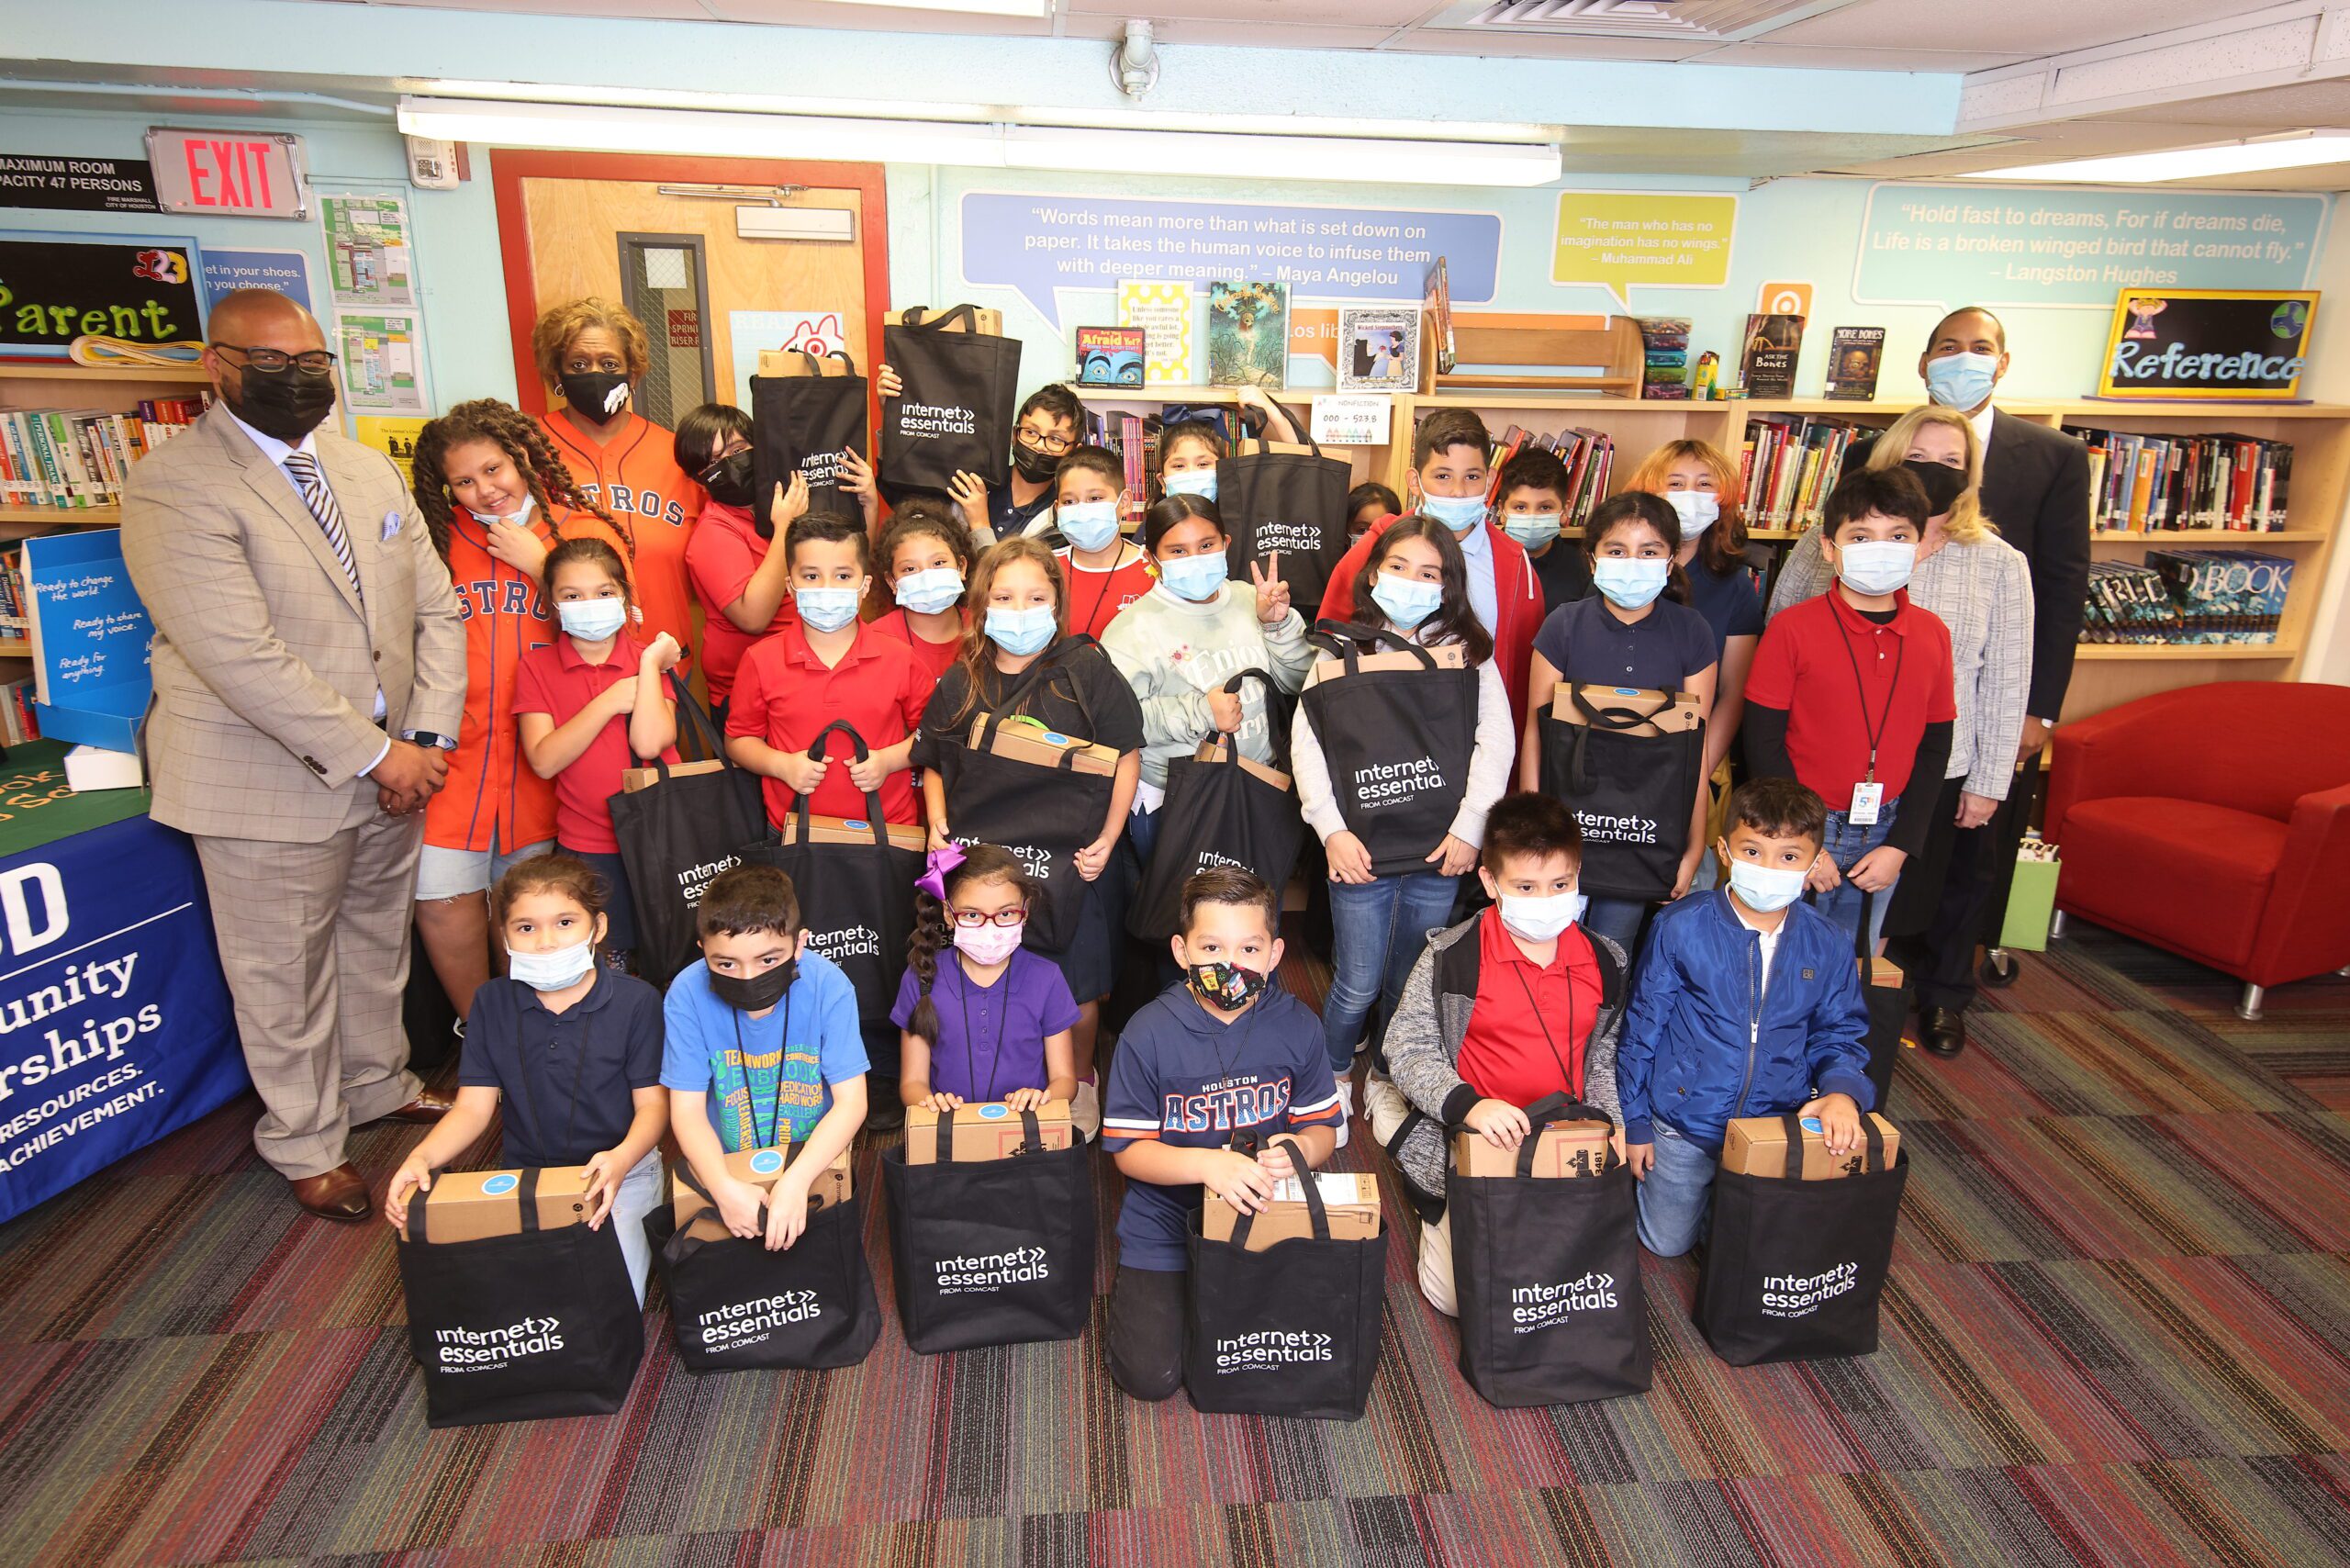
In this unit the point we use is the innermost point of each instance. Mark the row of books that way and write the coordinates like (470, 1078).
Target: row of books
(15, 605)
(2155, 484)
(2187, 597)
(1588, 455)
(1787, 463)
(79, 458)
(17, 723)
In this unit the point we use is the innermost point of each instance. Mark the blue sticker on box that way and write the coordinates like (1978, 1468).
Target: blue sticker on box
(993, 1113)
(765, 1162)
(497, 1186)
(1811, 1125)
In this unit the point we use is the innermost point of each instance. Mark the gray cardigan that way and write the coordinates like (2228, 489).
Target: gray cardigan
(1423, 1048)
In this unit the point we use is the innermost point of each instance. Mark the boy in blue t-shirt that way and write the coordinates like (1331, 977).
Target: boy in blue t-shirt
(1227, 1052)
(763, 1048)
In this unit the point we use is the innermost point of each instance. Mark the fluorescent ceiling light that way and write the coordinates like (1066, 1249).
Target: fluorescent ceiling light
(593, 128)
(1036, 10)
(2186, 162)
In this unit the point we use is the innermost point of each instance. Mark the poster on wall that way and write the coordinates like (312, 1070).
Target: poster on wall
(394, 436)
(58, 290)
(754, 332)
(2246, 346)
(1379, 350)
(287, 272)
(382, 359)
(1163, 310)
(75, 184)
(368, 252)
(1248, 334)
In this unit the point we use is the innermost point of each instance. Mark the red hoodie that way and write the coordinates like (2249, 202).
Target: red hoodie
(1518, 606)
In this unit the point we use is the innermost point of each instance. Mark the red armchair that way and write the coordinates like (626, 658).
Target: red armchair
(2214, 822)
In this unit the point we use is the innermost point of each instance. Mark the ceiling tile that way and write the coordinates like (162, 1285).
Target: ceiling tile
(2300, 105)
(1387, 14)
(1544, 46)
(859, 19)
(2032, 28)
(1825, 57)
(660, 10)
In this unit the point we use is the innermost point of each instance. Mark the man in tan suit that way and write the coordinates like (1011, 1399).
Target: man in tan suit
(308, 666)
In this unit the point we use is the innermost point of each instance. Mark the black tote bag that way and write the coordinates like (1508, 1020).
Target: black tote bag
(1285, 501)
(1043, 814)
(521, 1328)
(1547, 1275)
(1793, 1269)
(992, 1251)
(1217, 813)
(1632, 795)
(677, 836)
(856, 901)
(961, 388)
(1292, 1331)
(733, 1304)
(1397, 743)
(805, 422)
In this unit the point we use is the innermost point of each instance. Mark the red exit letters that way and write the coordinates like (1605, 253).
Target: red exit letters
(229, 174)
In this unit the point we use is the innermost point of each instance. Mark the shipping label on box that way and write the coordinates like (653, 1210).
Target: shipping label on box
(1562, 1149)
(1757, 1145)
(471, 1206)
(1028, 740)
(1351, 1199)
(984, 1129)
(763, 1168)
(1666, 712)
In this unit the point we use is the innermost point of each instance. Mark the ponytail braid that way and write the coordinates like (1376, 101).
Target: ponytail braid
(931, 934)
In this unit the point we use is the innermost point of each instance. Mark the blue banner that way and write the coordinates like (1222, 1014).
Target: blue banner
(115, 1024)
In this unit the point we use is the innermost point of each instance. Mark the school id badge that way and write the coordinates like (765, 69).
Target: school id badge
(1868, 800)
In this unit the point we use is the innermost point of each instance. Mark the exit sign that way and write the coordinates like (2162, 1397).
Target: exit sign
(229, 174)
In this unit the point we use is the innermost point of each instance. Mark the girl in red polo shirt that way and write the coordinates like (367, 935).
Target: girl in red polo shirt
(737, 563)
(926, 557)
(588, 705)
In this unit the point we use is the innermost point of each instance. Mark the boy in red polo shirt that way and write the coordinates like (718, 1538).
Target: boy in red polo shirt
(1107, 571)
(1850, 695)
(588, 706)
(1503, 1010)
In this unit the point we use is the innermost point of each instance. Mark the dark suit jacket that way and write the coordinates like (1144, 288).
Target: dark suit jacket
(2036, 489)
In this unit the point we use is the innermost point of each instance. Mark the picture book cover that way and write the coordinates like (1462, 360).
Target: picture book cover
(1854, 355)
(1163, 311)
(1379, 350)
(1768, 367)
(1248, 334)
(1110, 356)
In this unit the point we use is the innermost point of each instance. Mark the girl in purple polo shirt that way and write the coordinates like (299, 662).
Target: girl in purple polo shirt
(993, 1023)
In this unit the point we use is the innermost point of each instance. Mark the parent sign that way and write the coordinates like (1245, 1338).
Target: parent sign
(2247, 345)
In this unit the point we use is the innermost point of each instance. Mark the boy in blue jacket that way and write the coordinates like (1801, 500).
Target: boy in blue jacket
(1745, 1003)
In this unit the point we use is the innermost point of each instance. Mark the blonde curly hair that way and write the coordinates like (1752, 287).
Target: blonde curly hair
(1966, 524)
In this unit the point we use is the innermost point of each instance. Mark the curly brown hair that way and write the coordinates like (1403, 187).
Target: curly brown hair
(523, 441)
(558, 325)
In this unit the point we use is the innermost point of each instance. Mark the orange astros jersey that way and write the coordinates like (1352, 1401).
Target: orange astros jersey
(636, 475)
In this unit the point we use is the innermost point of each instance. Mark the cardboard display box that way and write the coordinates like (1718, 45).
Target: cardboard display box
(635, 779)
(1028, 740)
(1757, 1145)
(1562, 1149)
(984, 1129)
(1885, 971)
(785, 364)
(469, 1206)
(991, 321)
(1447, 656)
(1684, 714)
(1213, 749)
(852, 830)
(762, 1168)
(1350, 1196)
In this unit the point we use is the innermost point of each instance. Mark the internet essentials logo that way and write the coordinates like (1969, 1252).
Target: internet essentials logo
(855, 942)
(1273, 1348)
(494, 1349)
(991, 1271)
(1598, 829)
(1783, 1295)
(1536, 1307)
(748, 1323)
(1389, 782)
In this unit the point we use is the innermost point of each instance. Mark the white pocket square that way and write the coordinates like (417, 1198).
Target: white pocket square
(391, 526)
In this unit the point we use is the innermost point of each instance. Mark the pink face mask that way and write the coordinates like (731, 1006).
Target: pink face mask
(988, 943)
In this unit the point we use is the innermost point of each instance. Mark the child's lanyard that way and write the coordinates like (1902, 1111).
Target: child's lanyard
(1876, 730)
(1084, 622)
(750, 1098)
(1566, 1076)
(571, 1121)
(1003, 1017)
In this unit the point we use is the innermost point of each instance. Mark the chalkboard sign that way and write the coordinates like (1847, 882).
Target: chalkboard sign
(2244, 345)
(55, 288)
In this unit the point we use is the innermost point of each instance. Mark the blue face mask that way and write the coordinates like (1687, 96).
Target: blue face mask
(1877, 566)
(1019, 631)
(1697, 510)
(1088, 525)
(1961, 380)
(826, 609)
(1405, 602)
(1764, 887)
(592, 620)
(1195, 577)
(1200, 482)
(927, 593)
(1459, 513)
(1532, 528)
(1628, 582)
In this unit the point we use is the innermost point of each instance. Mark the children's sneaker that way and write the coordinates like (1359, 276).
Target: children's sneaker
(1347, 1096)
(1085, 1110)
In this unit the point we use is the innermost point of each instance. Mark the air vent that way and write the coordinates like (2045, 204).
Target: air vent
(1722, 22)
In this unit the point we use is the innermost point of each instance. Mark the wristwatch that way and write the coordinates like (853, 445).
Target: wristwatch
(427, 737)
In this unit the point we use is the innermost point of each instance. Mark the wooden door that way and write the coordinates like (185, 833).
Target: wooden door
(572, 225)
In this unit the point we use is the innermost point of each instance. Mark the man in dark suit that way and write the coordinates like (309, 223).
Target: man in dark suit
(2036, 489)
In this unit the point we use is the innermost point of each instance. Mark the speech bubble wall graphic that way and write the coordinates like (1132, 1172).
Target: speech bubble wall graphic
(1659, 239)
(1036, 244)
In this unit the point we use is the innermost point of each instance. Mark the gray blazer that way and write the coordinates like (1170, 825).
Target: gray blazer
(265, 662)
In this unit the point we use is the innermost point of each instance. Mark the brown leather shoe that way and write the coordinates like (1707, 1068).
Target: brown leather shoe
(425, 1109)
(339, 1195)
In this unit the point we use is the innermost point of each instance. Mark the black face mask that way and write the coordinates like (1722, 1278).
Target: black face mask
(1037, 467)
(288, 404)
(758, 993)
(1942, 484)
(728, 481)
(599, 394)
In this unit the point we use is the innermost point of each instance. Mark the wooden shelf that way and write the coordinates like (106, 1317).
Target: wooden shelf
(1192, 393)
(105, 516)
(187, 375)
(16, 648)
(2195, 536)
(2188, 653)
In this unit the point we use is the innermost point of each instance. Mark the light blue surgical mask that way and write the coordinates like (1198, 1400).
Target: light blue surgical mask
(928, 592)
(1698, 509)
(1459, 513)
(1195, 577)
(826, 609)
(1200, 482)
(1540, 919)
(1961, 380)
(1627, 581)
(1532, 528)
(1405, 602)
(1021, 631)
(592, 620)
(1088, 525)
(1765, 888)
(1876, 565)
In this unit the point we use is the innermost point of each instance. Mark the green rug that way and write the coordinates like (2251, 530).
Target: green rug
(38, 807)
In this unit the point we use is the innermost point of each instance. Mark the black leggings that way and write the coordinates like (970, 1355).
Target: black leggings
(1146, 1331)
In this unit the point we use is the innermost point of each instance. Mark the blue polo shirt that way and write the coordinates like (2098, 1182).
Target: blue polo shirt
(764, 1074)
(1730, 601)
(565, 1081)
(1586, 642)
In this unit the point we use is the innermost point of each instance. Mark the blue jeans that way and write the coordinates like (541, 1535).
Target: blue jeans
(1617, 918)
(1142, 831)
(1378, 929)
(1844, 845)
(1676, 1197)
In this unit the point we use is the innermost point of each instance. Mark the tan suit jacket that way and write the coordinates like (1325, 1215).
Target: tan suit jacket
(266, 664)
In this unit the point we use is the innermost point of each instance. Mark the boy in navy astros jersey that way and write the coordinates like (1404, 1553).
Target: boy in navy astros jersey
(1227, 1052)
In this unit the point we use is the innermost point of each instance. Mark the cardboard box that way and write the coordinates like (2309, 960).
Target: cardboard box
(1885, 972)
(1350, 1196)
(991, 321)
(984, 1129)
(1447, 656)
(1757, 1145)
(1028, 740)
(1562, 1149)
(468, 1205)
(635, 779)
(852, 830)
(1213, 749)
(1684, 712)
(785, 364)
(762, 1168)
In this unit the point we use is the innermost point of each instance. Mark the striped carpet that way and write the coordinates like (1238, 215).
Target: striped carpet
(2117, 1332)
